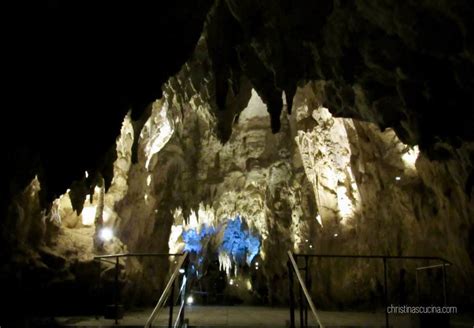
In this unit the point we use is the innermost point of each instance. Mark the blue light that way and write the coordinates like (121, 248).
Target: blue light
(192, 239)
(235, 240)
(238, 243)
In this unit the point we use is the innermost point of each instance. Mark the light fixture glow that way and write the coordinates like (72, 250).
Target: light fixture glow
(181, 270)
(231, 282)
(397, 178)
(106, 234)
(87, 174)
(190, 300)
(335, 235)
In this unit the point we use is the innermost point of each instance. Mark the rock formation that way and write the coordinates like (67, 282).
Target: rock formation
(326, 126)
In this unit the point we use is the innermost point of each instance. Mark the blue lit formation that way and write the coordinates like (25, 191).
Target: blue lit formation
(241, 245)
(237, 242)
(192, 238)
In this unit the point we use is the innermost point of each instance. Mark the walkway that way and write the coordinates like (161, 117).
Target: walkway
(248, 316)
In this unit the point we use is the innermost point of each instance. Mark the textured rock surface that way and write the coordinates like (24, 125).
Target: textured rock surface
(322, 184)
(378, 196)
(400, 65)
(403, 65)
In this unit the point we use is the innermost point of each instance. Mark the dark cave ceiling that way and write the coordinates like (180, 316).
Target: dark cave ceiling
(73, 70)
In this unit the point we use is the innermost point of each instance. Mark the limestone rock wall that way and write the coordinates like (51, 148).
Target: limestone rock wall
(376, 195)
(322, 184)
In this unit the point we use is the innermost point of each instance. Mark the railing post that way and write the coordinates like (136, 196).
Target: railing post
(417, 288)
(444, 285)
(171, 302)
(184, 280)
(116, 294)
(99, 293)
(301, 300)
(306, 263)
(385, 290)
(292, 295)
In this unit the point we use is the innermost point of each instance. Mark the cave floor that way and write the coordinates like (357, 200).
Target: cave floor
(253, 316)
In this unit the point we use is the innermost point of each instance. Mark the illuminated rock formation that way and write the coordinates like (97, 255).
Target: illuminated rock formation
(373, 155)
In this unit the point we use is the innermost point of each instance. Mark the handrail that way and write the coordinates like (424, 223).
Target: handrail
(104, 258)
(435, 266)
(444, 264)
(183, 302)
(432, 266)
(164, 295)
(303, 287)
(401, 257)
(135, 255)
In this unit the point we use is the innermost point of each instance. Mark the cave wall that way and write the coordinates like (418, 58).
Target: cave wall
(323, 183)
(376, 195)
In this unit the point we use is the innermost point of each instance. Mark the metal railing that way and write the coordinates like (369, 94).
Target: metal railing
(169, 291)
(445, 281)
(384, 258)
(292, 266)
(115, 261)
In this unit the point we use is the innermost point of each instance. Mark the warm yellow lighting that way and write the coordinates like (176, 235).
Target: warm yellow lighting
(318, 218)
(148, 180)
(88, 215)
(174, 243)
(409, 158)
(344, 203)
(157, 131)
(249, 284)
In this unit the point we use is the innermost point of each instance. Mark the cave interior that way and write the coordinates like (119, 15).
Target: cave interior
(236, 131)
